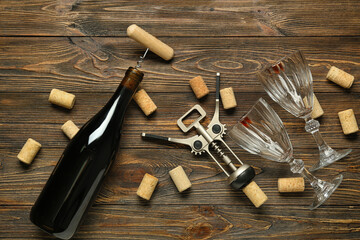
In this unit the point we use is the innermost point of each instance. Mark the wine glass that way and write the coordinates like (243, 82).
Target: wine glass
(261, 131)
(289, 83)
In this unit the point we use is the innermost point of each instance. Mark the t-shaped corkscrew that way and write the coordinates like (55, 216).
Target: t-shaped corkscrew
(209, 138)
(150, 42)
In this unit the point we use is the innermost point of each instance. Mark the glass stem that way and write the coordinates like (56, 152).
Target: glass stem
(297, 166)
(314, 181)
(312, 126)
(322, 189)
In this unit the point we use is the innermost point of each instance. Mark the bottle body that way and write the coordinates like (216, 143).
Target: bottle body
(77, 177)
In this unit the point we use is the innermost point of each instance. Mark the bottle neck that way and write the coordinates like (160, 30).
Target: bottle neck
(127, 87)
(132, 79)
(112, 114)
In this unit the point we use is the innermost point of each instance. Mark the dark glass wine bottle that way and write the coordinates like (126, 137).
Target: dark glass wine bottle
(77, 177)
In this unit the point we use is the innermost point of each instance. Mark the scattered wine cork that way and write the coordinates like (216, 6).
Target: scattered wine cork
(180, 178)
(29, 151)
(317, 109)
(199, 87)
(147, 186)
(255, 194)
(348, 121)
(340, 77)
(70, 129)
(296, 184)
(61, 98)
(228, 98)
(145, 102)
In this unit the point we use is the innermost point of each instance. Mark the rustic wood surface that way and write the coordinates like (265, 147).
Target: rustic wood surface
(81, 47)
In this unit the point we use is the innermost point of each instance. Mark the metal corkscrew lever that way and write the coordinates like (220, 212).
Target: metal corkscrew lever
(210, 138)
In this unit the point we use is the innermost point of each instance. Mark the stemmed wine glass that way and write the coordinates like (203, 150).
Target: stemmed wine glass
(289, 83)
(261, 132)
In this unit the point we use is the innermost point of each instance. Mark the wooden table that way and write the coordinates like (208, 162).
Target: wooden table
(81, 47)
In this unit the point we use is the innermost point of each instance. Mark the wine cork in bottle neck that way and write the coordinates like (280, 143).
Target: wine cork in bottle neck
(132, 78)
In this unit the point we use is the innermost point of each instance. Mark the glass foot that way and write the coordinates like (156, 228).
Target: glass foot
(324, 190)
(329, 158)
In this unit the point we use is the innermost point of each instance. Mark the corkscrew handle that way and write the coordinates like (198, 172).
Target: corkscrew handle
(215, 123)
(149, 41)
(217, 86)
(152, 136)
(187, 141)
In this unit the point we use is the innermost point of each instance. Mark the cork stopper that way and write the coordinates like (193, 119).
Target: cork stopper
(145, 102)
(255, 194)
(62, 99)
(70, 129)
(317, 109)
(199, 87)
(340, 77)
(296, 184)
(228, 98)
(180, 178)
(29, 151)
(147, 186)
(348, 121)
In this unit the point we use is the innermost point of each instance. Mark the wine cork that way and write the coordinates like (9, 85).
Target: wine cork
(340, 77)
(228, 98)
(296, 184)
(199, 87)
(255, 194)
(70, 129)
(147, 186)
(145, 103)
(29, 151)
(61, 98)
(149, 41)
(348, 121)
(317, 109)
(180, 178)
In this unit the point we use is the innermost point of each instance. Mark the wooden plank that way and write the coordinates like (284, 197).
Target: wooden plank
(31, 115)
(184, 18)
(82, 64)
(196, 222)
(52, 44)
(209, 182)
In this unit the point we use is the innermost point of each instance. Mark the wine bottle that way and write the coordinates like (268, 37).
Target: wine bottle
(77, 177)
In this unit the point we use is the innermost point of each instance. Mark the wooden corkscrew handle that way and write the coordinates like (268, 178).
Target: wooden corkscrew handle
(149, 41)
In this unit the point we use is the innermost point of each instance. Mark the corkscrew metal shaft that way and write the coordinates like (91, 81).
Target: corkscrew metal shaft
(138, 65)
(209, 139)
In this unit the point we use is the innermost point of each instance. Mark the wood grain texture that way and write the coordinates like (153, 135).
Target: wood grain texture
(198, 222)
(33, 115)
(209, 182)
(84, 64)
(80, 46)
(181, 18)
